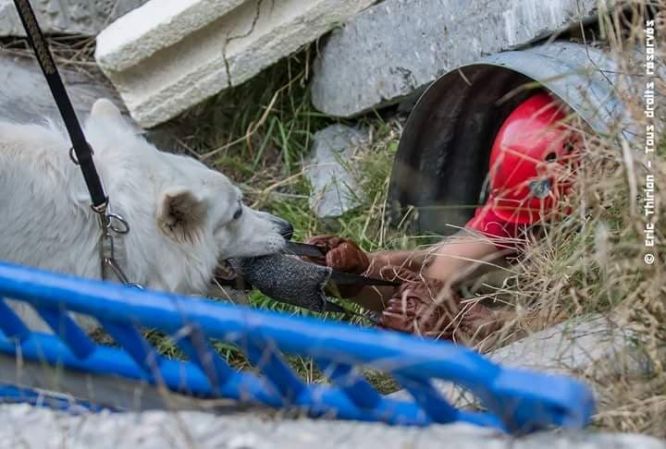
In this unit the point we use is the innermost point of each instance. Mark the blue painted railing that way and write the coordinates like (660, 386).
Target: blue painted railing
(516, 400)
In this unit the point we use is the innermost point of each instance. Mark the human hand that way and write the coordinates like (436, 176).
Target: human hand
(340, 254)
(343, 255)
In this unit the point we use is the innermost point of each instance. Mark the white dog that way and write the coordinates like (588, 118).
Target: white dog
(184, 217)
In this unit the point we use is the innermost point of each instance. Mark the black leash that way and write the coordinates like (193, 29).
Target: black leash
(80, 153)
(80, 146)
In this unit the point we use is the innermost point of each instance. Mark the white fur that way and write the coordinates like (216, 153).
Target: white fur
(46, 220)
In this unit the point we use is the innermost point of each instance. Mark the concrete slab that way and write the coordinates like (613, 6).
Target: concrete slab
(594, 348)
(398, 47)
(166, 59)
(25, 95)
(26, 98)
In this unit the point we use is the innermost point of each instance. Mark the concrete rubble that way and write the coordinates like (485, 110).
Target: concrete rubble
(168, 56)
(398, 47)
(334, 188)
(27, 427)
(579, 346)
(25, 97)
(84, 17)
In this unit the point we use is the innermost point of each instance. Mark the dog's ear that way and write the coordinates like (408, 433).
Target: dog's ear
(181, 215)
(104, 107)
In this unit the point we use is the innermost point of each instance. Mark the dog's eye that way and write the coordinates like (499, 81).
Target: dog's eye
(238, 213)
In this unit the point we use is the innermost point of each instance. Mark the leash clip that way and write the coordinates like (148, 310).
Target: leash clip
(111, 223)
(117, 224)
(109, 220)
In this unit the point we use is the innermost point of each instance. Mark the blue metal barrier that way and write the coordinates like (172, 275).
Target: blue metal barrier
(516, 400)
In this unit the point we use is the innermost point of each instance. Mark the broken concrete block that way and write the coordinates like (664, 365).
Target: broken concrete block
(25, 95)
(579, 347)
(334, 189)
(170, 55)
(398, 47)
(84, 17)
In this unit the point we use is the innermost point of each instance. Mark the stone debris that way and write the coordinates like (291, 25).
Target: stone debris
(25, 95)
(396, 48)
(168, 56)
(580, 346)
(85, 17)
(334, 188)
(28, 427)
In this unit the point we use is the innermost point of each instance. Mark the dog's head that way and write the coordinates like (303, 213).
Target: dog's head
(197, 216)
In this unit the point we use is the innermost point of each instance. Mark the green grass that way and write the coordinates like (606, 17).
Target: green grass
(261, 130)
(260, 133)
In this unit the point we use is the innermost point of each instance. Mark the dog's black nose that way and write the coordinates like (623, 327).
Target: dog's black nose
(285, 228)
(287, 231)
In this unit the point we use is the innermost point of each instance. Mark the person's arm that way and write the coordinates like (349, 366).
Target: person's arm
(376, 298)
(451, 261)
(411, 259)
(454, 259)
(458, 257)
(447, 260)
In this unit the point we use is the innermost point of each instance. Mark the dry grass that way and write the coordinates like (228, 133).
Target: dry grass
(593, 261)
(71, 52)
